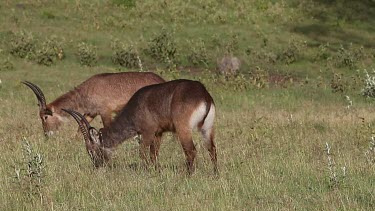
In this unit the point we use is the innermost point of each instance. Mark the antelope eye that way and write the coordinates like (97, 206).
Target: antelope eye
(45, 117)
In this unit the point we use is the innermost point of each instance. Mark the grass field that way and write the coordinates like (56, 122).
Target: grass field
(300, 59)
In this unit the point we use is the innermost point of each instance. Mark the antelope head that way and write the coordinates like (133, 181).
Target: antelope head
(50, 119)
(93, 140)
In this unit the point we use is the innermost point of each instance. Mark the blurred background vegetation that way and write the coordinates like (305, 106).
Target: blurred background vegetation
(295, 112)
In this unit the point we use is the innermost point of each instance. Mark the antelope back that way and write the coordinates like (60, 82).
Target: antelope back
(163, 106)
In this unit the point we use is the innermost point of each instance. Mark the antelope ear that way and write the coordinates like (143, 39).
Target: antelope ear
(48, 112)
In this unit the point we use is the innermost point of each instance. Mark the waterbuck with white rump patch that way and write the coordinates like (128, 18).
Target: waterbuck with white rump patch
(102, 94)
(177, 106)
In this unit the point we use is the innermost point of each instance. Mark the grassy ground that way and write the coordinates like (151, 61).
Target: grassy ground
(300, 60)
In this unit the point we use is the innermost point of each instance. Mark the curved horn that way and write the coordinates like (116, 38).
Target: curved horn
(82, 122)
(39, 94)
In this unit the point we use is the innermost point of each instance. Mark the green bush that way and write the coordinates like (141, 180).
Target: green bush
(369, 89)
(22, 44)
(338, 83)
(350, 56)
(30, 173)
(322, 53)
(87, 54)
(126, 56)
(162, 48)
(293, 51)
(198, 53)
(50, 51)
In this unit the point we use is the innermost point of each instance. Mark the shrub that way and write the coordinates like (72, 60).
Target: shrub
(349, 57)
(322, 53)
(22, 44)
(50, 51)
(87, 54)
(30, 173)
(370, 153)
(259, 78)
(162, 48)
(369, 89)
(126, 56)
(338, 83)
(198, 55)
(335, 178)
(293, 51)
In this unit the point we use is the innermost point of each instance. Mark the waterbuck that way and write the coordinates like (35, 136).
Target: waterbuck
(102, 94)
(177, 106)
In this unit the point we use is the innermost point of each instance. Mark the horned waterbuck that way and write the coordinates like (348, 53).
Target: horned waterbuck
(102, 94)
(177, 106)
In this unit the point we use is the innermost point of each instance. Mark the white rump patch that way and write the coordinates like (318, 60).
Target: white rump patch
(209, 121)
(197, 115)
(207, 127)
